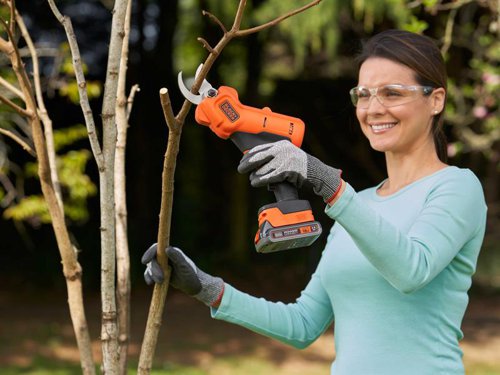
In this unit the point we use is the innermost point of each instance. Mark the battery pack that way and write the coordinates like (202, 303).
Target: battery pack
(287, 224)
(270, 239)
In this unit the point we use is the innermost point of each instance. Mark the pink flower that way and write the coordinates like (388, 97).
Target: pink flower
(452, 150)
(480, 112)
(490, 78)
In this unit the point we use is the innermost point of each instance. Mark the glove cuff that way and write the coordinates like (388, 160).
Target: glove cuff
(326, 180)
(212, 289)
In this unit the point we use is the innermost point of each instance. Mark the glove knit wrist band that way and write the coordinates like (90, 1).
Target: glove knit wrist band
(335, 194)
(211, 288)
(326, 180)
(217, 302)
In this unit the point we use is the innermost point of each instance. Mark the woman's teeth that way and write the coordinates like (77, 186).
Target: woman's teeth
(380, 127)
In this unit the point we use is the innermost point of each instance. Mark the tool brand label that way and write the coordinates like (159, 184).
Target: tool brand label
(229, 111)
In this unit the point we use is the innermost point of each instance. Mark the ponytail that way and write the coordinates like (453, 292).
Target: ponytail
(439, 137)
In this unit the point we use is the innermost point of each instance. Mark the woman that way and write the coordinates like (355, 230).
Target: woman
(398, 262)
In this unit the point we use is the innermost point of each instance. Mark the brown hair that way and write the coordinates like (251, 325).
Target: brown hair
(419, 53)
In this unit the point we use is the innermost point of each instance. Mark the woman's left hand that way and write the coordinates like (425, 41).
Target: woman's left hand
(283, 161)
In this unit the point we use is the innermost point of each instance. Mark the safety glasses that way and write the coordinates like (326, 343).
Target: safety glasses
(388, 95)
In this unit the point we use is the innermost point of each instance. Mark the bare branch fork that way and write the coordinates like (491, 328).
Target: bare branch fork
(175, 124)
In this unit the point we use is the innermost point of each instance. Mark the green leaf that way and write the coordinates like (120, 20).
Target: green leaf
(68, 136)
(29, 207)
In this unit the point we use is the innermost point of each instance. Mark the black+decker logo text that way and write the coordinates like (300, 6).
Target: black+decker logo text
(229, 111)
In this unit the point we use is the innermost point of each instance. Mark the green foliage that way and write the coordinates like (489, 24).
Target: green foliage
(415, 25)
(70, 90)
(72, 175)
(473, 100)
(68, 136)
(189, 52)
(76, 185)
(27, 208)
(314, 30)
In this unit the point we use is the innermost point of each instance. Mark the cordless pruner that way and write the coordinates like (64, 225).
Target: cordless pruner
(289, 222)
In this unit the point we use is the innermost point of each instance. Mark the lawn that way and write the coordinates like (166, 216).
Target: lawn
(38, 340)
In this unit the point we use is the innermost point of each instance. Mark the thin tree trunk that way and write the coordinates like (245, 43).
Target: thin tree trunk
(122, 250)
(109, 330)
(167, 195)
(71, 268)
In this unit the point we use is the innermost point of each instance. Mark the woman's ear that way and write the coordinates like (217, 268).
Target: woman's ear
(438, 97)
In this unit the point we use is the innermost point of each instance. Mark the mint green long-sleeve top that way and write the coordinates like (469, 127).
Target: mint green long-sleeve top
(393, 278)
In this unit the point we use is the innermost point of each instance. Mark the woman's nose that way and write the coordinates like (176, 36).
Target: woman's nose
(375, 105)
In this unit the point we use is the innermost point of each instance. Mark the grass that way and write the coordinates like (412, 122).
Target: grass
(232, 365)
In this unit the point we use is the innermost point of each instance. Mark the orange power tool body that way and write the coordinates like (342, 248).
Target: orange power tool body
(289, 222)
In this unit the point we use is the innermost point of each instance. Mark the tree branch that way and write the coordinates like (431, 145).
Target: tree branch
(23, 144)
(130, 100)
(276, 20)
(82, 85)
(448, 32)
(166, 105)
(11, 88)
(215, 19)
(14, 106)
(42, 110)
(206, 45)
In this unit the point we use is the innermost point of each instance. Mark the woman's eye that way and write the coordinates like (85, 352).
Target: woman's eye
(391, 93)
(363, 94)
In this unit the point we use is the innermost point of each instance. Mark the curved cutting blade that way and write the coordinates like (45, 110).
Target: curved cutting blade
(193, 98)
(205, 90)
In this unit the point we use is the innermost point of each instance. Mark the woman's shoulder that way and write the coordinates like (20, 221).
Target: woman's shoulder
(463, 177)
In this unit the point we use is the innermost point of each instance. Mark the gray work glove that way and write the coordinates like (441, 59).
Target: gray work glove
(185, 275)
(283, 161)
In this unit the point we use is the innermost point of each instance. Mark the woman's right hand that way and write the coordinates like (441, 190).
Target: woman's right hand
(185, 276)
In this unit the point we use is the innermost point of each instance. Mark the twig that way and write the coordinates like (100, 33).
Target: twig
(215, 19)
(448, 32)
(23, 144)
(239, 15)
(10, 188)
(166, 105)
(14, 106)
(277, 20)
(82, 85)
(453, 5)
(130, 100)
(206, 45)
(11, 88)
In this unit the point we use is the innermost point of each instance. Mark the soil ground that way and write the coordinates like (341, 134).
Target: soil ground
(36, 327)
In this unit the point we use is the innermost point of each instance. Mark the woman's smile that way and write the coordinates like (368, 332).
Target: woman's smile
(382, 127)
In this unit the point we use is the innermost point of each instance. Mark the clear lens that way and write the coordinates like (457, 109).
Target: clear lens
(388, 95)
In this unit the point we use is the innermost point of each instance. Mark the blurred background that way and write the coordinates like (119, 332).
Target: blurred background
(304, 67)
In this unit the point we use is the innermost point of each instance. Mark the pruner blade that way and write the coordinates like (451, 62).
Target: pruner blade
(206, 89)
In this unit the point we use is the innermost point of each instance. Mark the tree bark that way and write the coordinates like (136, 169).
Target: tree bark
(109, 330)
(122, 250)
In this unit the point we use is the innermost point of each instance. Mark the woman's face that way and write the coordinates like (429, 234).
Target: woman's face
(402, 128)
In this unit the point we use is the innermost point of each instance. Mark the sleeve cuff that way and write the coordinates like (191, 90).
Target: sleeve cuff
(339, 206)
